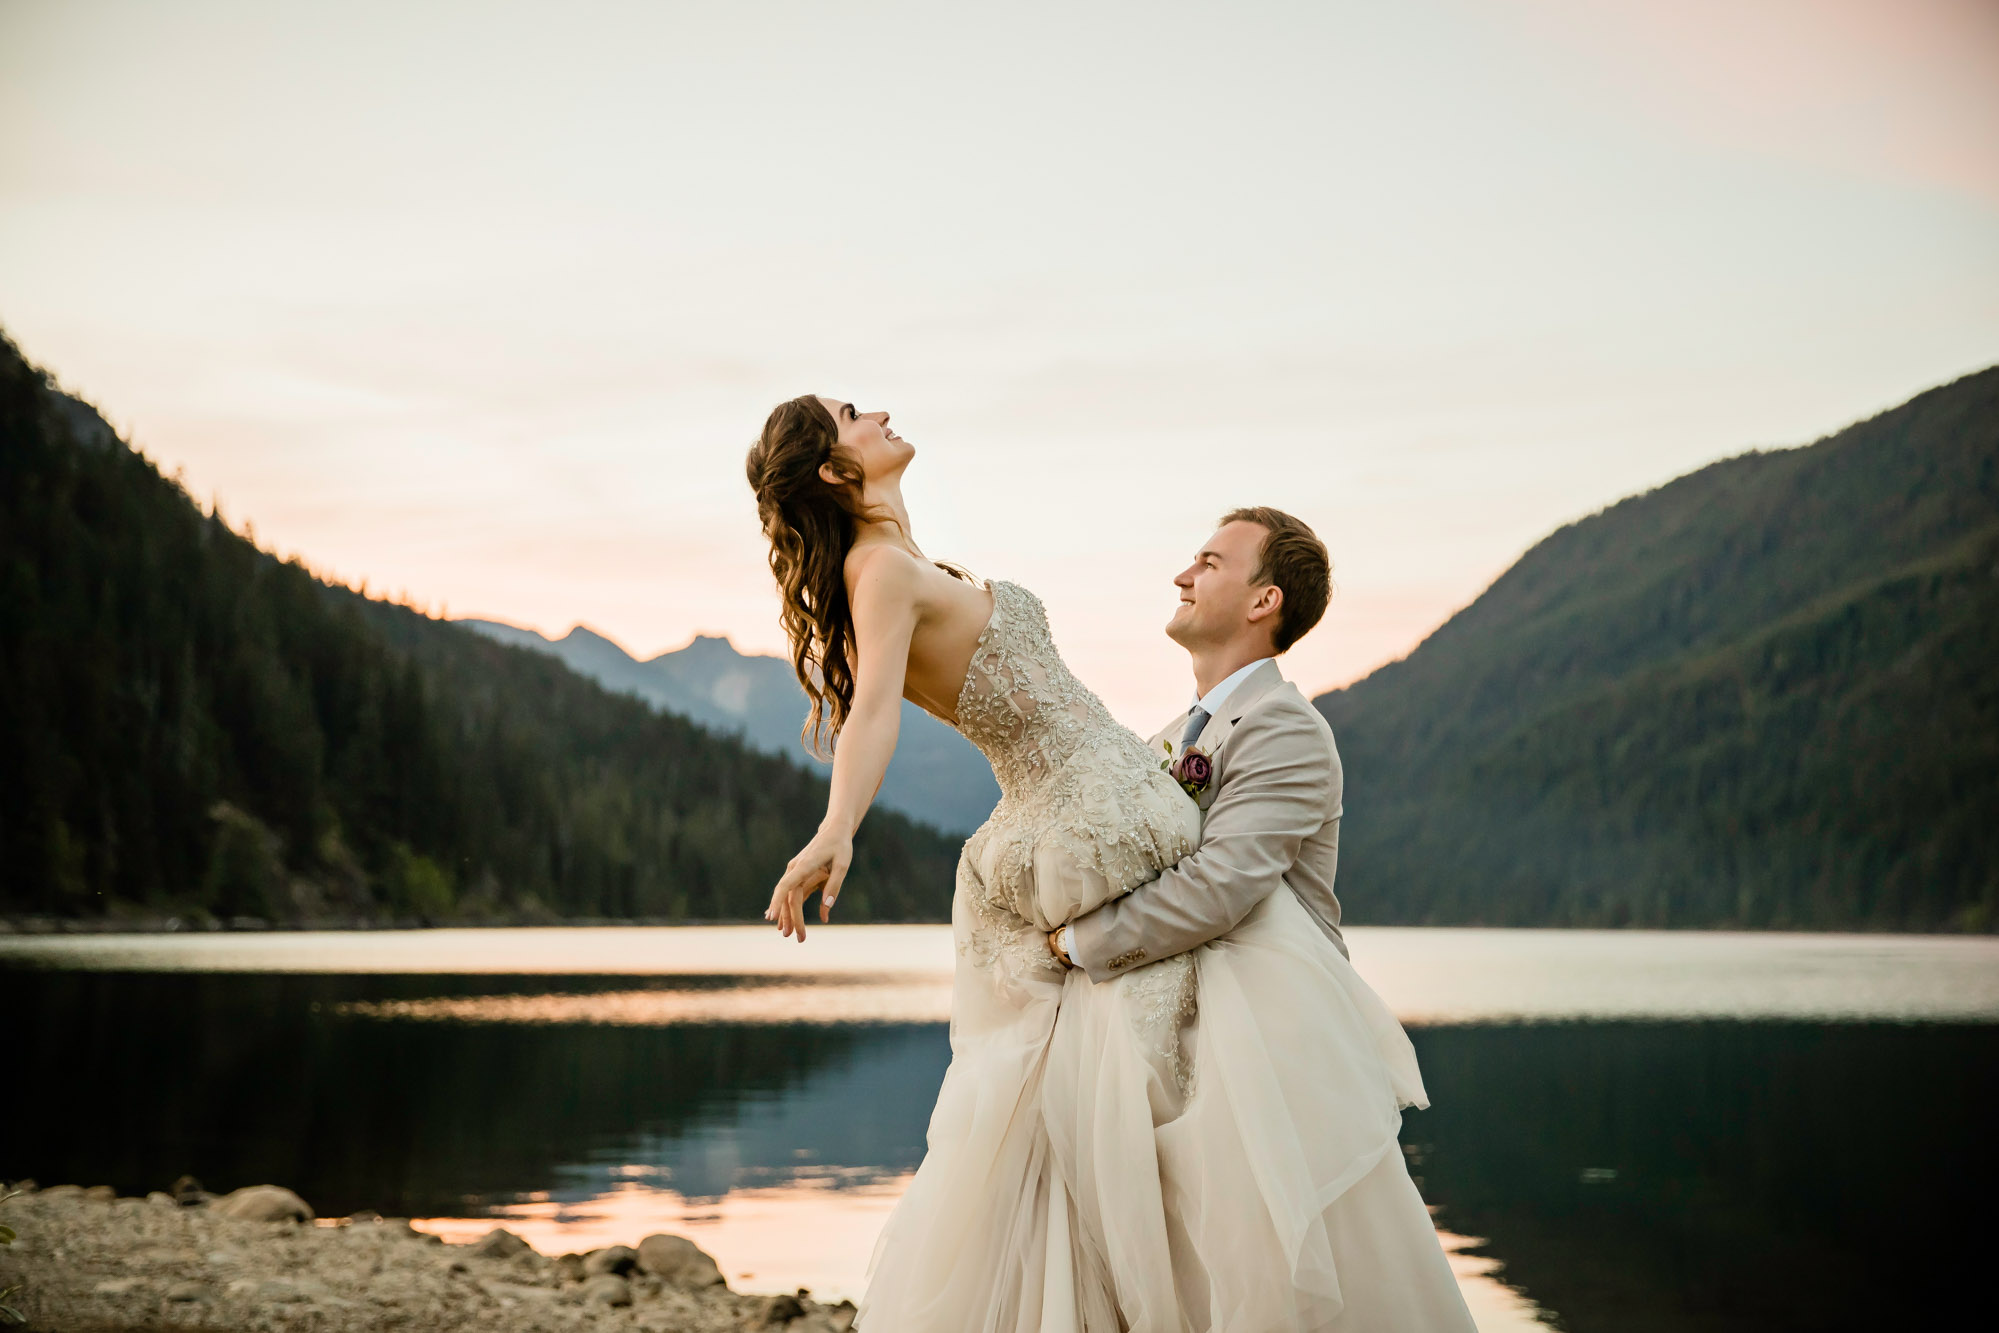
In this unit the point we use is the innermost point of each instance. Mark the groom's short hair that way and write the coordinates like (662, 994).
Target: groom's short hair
(1293, 558)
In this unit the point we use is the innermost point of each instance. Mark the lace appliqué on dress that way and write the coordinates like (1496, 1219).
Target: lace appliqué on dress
(1162, 998)
(1085, 815)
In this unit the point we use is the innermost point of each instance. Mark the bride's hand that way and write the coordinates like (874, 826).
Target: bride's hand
(821, 864)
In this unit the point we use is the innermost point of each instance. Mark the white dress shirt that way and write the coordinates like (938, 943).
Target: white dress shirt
(1211, 703)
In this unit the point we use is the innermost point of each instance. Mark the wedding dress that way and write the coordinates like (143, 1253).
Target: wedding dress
(1205, 1143)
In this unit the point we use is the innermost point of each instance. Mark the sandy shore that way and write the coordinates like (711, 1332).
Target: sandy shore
(89, 1262)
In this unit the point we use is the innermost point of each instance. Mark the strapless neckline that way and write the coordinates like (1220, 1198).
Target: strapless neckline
(991, 588)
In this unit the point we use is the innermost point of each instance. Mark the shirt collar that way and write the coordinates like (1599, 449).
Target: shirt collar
(1211, 702)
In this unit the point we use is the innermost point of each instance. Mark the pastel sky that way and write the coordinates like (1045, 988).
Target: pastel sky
(483, 303)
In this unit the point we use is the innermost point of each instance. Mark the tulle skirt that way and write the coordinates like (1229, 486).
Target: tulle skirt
(1083, 1177)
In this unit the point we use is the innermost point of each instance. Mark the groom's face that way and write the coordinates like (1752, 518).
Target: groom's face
(1215, 592)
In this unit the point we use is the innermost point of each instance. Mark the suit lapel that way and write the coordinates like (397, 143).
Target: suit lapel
(1213, 735)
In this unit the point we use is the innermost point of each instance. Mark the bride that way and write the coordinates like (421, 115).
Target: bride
(1205, 1142)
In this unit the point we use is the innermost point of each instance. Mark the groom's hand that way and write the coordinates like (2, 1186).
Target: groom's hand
(1054, 939)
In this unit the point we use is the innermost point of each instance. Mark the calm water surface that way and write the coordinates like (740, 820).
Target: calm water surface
(1629, 1131)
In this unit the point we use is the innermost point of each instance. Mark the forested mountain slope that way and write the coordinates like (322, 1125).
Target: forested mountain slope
(1762, 695)
(189, 724)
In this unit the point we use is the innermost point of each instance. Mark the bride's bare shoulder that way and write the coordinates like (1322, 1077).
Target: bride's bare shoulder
(880, 557)
(879, 570)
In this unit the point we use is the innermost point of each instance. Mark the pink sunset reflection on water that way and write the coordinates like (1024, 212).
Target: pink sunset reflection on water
(819, 1234)
(815, 1233)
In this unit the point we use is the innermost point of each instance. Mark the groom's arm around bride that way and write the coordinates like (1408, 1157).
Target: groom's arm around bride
(1273, 798)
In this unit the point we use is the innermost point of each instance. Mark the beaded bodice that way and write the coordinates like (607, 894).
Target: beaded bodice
(1086, 814)
(1024, 709)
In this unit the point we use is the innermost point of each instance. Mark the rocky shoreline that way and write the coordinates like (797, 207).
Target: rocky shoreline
(258, 1261)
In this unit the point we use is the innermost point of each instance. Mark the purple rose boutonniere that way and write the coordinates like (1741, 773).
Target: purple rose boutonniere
(1192, 770)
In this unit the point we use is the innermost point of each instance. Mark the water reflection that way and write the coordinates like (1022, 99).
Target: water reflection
(1495, 1306)
(241, 1079)
(805, 1234)
(1719, 1176)
(859, 1000)
(1627, 1175)
(1427, 975)
(626, 951)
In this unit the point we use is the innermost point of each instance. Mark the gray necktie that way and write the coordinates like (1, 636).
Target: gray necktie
(1195, 721)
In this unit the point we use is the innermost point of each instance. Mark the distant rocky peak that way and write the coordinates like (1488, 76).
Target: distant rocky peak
(582, 636)
(706, 651)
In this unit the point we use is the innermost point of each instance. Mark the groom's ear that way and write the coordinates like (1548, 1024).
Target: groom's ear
(1269, 602)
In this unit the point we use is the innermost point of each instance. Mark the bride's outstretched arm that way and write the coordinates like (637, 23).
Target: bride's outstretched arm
(884, 608)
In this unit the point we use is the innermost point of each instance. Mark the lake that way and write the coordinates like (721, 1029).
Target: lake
(1630, 1130)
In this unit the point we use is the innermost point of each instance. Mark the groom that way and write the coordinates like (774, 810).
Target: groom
(1271, 803)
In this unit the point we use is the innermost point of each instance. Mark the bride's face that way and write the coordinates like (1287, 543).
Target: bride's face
(866, 437)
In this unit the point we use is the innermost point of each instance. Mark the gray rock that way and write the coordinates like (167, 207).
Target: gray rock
(618, 1259)
(264, 1203)
(569, 1267)
(842, 1316)
(187, 1291)
(101, 1194)
(607, 1289)
(161, 1199)
(776, 1312)
(117, 1286)
(529, 1267)
(63, 1192)
(499, 1243)
(187, 1191)
(510, 1292)
(680, 1261)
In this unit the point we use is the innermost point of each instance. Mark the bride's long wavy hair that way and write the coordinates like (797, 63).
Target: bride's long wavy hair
(810, 524)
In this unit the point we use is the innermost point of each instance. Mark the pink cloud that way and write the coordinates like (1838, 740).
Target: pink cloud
(1906, 90)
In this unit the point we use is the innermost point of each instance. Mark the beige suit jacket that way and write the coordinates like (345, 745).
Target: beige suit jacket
(1271, 818)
